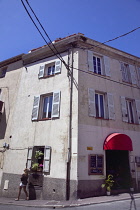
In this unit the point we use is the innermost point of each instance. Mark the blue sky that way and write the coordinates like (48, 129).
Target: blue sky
(100, 20)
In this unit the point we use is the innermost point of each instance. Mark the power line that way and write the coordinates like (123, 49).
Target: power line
(40, 31)
(61, 58)
(121, 35)
(43, 29)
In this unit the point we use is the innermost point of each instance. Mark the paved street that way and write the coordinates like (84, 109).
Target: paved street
(116, 205)
(113, 202)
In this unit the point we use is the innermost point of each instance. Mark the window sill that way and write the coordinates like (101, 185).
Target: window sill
(44, 119)
(101, 118)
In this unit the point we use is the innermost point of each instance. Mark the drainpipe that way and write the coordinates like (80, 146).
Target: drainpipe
(70, 73)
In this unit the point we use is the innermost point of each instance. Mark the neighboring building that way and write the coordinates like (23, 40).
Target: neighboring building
(80, 109)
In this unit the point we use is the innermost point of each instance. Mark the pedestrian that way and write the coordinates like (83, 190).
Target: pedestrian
(23, 184)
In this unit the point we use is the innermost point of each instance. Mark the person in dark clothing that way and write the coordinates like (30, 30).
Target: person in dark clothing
(23, 184)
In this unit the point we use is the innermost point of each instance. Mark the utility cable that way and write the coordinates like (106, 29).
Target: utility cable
(39, 30)
(43, 29)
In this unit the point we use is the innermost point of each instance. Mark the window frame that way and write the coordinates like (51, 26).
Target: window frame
(46, 159)
(131, 111)
(93, 164)
(96, 71)
(44, 69)
(38, 105)
(101, 107)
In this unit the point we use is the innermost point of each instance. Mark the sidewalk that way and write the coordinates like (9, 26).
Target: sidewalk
(71, 203)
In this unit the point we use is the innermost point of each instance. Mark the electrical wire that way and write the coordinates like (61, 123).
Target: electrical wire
(39, 30)
(44, 29)
(67, 66)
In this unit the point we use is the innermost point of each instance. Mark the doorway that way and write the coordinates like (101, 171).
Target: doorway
(117, 164)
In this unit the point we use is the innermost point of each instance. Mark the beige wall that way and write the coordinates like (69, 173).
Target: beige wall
(54, 133)
(93, 131)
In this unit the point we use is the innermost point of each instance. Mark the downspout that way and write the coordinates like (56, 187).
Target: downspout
(70, 73)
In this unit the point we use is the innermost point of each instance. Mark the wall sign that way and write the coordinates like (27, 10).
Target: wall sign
(95, 164)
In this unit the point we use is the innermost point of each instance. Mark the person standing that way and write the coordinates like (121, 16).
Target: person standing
(23, 184)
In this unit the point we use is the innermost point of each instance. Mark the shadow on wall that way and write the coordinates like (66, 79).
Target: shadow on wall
(3, 124)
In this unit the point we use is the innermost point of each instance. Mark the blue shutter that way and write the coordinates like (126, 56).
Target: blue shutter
(57, 66)
(35, 108)
(29, 157)
(124, 109)
(107, 66)
(56, 104)
(90, 61)
(47, 159)
(41, 71)
(91, 99)
(111, 109)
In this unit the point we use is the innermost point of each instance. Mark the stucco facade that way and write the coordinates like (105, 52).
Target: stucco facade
(53, 109)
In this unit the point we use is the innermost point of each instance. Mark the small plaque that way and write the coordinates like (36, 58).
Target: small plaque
(89, 148)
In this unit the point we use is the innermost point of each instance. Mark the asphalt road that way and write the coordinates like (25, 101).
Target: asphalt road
(117, 205)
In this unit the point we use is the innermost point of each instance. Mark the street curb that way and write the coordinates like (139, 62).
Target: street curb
(54, 206)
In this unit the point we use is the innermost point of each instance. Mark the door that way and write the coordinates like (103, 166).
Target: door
(117, 164)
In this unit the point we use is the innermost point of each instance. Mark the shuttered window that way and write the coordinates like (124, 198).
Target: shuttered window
(29, 158)
(50, 69)
(130, 110)
(98, 64)
(101, 105)
(128, 73)
(46, 106)
(43, 161)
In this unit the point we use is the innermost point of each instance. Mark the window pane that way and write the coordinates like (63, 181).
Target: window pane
(131, 112)
(50, 107)
(45, 105)
(49, 70)
(53, 69)
(96, 105)
(101, 106)
(94, 64)
(99, 65)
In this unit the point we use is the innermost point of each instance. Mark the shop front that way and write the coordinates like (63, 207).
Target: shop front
(117, 147)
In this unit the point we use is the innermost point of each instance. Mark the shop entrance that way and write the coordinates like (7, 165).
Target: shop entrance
(117, 164)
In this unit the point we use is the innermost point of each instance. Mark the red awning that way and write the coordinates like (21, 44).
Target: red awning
(118, 141)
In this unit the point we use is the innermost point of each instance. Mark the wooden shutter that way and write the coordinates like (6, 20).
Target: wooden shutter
(124, 109)
(56, 104)
(90, 60)
(41, 71)
(138, 109)
(91, 98)
(47, 159)
(123, 71)
(111, 109)
(138, 76)
(133, 74)
(29, 157)
(57, 66)
(107, 66)
(35, 108)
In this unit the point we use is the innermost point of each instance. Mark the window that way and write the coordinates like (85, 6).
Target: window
(98, 64)
(128, 73)
(46, 106)
(95, 164)
(130, 110)
(50, 69)
(101, 105)
(43, 161)
(3, 72)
